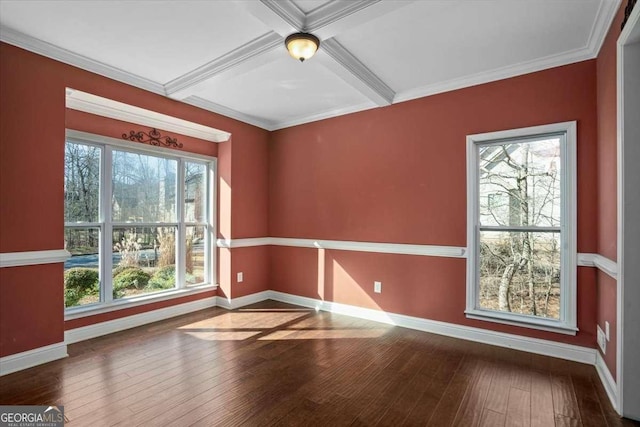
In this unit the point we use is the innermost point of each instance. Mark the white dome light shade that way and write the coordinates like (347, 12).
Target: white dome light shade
(302, 46)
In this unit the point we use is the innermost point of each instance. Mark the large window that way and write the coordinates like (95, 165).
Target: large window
(138, 221)
(522, 252)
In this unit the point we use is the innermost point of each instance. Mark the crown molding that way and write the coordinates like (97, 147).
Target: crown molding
(196, 101)
(255, 47)
(100, 106)
(519, 69)
(335, 112)
(365, 80)
(604, 18)
(284, 16)
(334, 11)
(32, 44)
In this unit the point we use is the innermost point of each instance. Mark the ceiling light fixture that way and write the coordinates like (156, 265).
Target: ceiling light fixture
(302, 45)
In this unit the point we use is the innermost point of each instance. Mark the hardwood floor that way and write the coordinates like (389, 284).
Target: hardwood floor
(277, 364)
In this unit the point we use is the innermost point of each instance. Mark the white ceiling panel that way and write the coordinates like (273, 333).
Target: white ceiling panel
(228, 56)
(429, 42)
(157, 40)
(284, 90)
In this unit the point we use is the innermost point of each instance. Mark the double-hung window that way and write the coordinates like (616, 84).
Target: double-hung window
(138, 222)
(521, 227)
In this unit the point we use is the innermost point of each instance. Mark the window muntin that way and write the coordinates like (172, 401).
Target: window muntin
(138, 199)
(521, 227)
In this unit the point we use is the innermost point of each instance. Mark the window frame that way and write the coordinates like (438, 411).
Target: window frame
(567, 323)
(106, 223)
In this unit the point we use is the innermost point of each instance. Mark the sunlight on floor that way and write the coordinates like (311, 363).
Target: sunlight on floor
(321, 334)
(223, 335)
(247, 320)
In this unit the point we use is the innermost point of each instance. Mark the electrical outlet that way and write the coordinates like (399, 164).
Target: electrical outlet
(606, 330)
(240, 277)
(602, 340)
(377, 287)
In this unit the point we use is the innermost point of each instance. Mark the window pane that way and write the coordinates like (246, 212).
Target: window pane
(143, 260)
(144, 188)
(82, 270)
(520, 183)
(195, 196)
(520, 273)
(81, 183)
(195, 259)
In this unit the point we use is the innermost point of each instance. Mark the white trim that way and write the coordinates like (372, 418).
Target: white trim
(607, 380)
(568, 283)
(136, 301)
(18, 259)
(255, 47)
(196, 101)
(523, 321)
(98, 329)
(626, 34)
(37, 356)
(288, 11)
(368, 105)
(358, 75)
(93, 104)
(23, 41)
(344, 245)
(485, 336)
(601, 262)
(233, 303)
(243, 243)
(604, 17)
(86, 137)
(334, 11)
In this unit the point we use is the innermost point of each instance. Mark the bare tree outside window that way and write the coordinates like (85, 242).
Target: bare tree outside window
(520, 218)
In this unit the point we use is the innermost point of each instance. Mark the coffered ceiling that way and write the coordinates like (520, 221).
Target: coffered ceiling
(229, 56)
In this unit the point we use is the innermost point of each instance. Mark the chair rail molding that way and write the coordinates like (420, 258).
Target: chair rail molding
(19, 259)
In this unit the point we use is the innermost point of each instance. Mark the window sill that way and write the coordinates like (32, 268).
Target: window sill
(99, 308)
(522, 321)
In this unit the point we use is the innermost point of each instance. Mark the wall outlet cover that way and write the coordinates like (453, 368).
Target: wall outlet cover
(240, 277)
(602, 340)
(377, 287)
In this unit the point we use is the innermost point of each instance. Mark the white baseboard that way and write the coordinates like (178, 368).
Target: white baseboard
(96, 330)
(232, 304)
(516, 342)
(27, 359)
(607, 380)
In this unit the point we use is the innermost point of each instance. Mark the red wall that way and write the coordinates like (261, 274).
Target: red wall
(398, 174)
(32, 134)
(607, 180)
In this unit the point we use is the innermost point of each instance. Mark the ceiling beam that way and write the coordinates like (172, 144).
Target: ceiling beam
(346, 66)
(337, 16)
(283, 16)
(183, 86)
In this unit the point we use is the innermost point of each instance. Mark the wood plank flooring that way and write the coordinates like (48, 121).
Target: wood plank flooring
(273, 364)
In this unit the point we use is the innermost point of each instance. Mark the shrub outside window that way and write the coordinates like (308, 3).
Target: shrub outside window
(137, 221)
